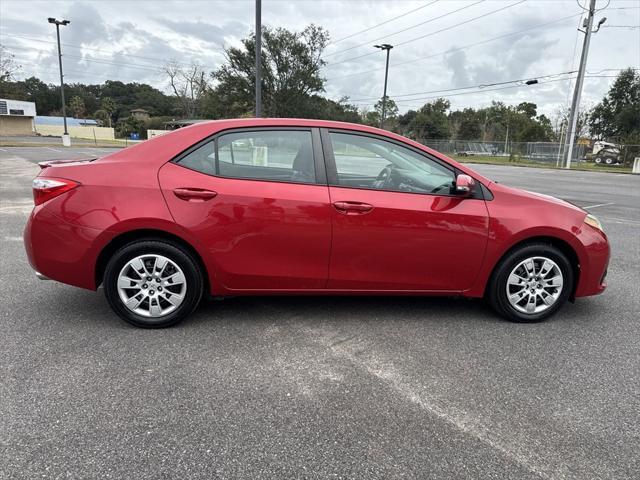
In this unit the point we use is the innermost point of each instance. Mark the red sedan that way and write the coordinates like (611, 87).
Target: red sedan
(282, 206)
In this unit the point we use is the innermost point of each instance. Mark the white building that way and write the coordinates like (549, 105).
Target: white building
(17, 117)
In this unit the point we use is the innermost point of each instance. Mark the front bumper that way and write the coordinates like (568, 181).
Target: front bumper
(594, 263)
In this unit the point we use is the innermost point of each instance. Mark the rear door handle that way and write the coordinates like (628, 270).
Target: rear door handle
(194, 194)
(352, 208)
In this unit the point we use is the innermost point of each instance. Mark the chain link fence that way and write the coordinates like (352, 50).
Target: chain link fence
(549, 153)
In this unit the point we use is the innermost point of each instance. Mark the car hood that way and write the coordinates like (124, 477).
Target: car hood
(538, 196)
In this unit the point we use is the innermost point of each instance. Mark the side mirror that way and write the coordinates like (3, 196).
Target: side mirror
(465, 185)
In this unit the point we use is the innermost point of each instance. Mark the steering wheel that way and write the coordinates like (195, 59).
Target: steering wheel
(383, 179)
(439, 188)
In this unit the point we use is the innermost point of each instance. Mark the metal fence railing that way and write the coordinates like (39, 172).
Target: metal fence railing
(551, 153)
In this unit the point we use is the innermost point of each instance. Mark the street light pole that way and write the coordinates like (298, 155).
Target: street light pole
(387, 47)
(258, 54)
(65, 137)
(573, 117)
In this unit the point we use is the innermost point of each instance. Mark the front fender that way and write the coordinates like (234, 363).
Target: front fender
(502, 241)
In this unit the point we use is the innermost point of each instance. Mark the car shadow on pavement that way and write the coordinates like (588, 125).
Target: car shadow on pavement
(79, 306)
(368, 309)
(374, 310)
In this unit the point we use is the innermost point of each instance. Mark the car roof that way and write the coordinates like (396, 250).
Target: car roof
(162, 147)
(303, 122)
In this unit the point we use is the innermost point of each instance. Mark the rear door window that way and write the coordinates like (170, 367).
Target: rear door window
(285, 155)
(276, 155)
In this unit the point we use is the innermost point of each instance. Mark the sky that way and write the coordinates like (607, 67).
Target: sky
(441, 47)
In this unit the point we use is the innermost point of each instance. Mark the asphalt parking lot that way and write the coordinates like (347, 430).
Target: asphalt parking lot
(322, 387)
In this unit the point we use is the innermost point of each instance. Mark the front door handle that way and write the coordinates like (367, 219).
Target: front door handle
(194, 194)
(352, 208)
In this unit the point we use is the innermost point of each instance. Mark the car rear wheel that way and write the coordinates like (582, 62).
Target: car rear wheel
(531, 283)
(153, 283)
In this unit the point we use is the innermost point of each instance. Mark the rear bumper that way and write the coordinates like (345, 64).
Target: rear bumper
(60, 251)
(41, 276)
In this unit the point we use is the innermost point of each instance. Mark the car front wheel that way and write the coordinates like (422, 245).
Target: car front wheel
(531, 283)
(153, 283)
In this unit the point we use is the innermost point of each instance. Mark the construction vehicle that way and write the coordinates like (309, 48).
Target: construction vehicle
(606, 153)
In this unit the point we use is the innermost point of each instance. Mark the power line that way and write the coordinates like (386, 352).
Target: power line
(109, 62)
(488, 90)
(92, 60)
(81, 47)
(464, 47)
(384, 37)
(42, 67)
(481, 86)
(432, 33)
(480, 90)
(383, 23)
(88, 74)
(463, 93)
(611, 70)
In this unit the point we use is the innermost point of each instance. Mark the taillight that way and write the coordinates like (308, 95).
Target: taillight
(44, 189)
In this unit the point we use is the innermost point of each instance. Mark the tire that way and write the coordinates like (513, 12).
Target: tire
(598, 160)
(502, 286)
(174, 291)
(608, 160)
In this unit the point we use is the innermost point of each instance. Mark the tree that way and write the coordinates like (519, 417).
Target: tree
(527, 108)
(617, 116)
(108, 106)
(429, 122)
(317, 106)
(291, 63)
(76, 105)
(128, 96)
(372, 118)
(8, 65)
(562, 120)
(129, 125)
(188, 85)
(102, 117)
(465, 124)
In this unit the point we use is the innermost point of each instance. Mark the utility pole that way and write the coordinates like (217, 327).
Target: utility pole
(258, 58)
(484, 126)
(573, 117)
(560, 144)
(66, 141)
(506, 138)
(387, 47)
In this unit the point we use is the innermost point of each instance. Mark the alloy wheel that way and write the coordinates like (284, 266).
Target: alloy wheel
(534, 285)
(152, 285)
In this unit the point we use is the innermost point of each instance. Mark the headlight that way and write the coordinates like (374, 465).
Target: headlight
(594, 222)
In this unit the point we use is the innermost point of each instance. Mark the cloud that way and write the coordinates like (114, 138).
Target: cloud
(458, 64)
(517, 60)
(206, 32)
(142, 35)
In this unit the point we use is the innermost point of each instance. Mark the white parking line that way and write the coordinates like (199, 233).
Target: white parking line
(13, 239)
(54, 149)
(3, 150)
(598, 205)
(625, 221)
